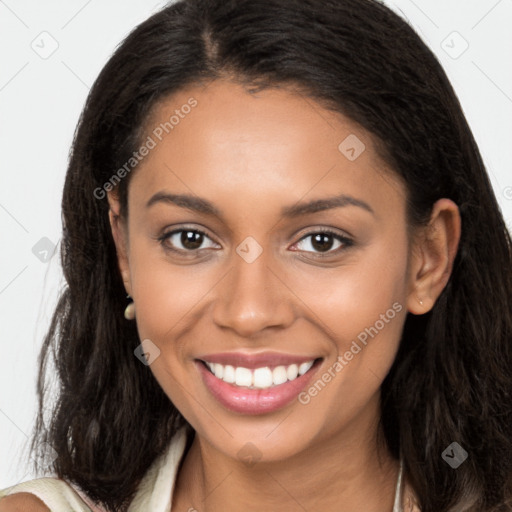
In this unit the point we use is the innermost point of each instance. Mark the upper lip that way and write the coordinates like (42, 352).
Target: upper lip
(251, 361)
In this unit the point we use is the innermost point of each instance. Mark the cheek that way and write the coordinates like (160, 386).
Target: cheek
(166, 294)
(168, 300)
(352, 297)
(362, 311)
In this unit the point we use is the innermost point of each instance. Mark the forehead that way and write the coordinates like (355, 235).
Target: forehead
(223, 141)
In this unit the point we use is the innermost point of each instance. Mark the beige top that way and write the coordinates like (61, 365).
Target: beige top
(155, 490)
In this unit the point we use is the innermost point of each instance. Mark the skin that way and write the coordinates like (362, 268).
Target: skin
(251, 155)
(22, 502)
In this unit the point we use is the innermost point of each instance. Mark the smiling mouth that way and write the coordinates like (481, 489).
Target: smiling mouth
(265, 377)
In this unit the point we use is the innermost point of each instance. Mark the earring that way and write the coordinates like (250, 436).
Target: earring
(420, 301)
(129, 312)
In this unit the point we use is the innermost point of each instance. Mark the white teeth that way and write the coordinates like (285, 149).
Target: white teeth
(243, 377)
(279, 375)
(304, 367)
(218, 371)
(260, 378)
(292, 371)
(229, 374)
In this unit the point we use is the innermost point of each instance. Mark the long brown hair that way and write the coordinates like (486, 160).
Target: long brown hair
(452, 378)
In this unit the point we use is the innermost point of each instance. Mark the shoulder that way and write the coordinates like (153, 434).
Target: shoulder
(22, 502)
(42, 495)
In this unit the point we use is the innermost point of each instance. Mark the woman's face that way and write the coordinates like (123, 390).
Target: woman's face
(264, 174)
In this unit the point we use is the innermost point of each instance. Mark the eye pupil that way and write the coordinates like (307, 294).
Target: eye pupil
(193, 238)
(320, 242)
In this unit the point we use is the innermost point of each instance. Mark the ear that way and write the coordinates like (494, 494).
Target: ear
(433, 253)
(120, 235)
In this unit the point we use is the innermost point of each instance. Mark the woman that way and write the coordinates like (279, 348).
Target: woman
(318, 276)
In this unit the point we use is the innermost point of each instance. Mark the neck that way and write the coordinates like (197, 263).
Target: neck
(340, 473)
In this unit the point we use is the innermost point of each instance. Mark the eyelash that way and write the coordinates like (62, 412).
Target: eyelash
(345, 241)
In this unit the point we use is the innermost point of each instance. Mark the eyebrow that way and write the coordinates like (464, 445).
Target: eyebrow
(201, 205)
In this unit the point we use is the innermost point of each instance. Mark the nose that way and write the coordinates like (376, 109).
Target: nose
(253, 297)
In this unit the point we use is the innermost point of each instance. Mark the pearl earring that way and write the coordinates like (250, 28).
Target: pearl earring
(420, 301)
(129, 312)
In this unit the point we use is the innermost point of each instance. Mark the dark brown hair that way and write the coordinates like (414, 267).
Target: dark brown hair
(452, 378)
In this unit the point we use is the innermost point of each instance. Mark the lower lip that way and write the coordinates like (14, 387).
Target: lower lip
(254, 401)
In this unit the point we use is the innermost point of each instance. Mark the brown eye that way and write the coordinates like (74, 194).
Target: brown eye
(185, 240)
(324, 241)
(191, 239)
